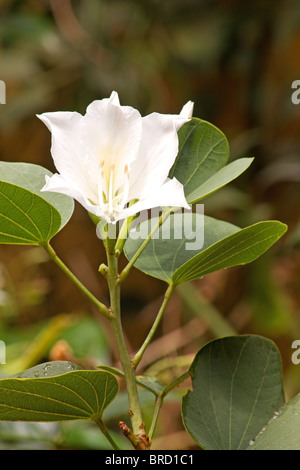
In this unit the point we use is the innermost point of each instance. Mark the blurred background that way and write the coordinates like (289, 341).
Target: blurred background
(237, 61)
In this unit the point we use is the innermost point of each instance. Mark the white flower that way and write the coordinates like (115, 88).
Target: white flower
(112, 156)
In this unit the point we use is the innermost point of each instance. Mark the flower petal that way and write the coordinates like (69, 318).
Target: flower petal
(157, 154)
(114, 97)
(187, 110)
(112, 133)
(66, 147)
(170, 194)
(58, 184)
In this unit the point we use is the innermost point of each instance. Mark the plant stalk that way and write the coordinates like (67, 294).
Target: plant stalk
(100, 306)
(105, 432)
(130, 264)
(160, 398)
(116, 324)
(139, 355)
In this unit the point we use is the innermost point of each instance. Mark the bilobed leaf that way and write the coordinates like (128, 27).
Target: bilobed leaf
(201, 245)
(73, 395)
(240, 248)
(25, 217)
(32, 177)
(237, 386)
(203, 151)
(178, 240)
(282, 431)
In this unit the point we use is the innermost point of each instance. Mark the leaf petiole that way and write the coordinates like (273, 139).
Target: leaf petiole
(52, 254)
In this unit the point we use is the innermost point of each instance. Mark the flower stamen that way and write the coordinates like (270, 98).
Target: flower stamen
(124, 199)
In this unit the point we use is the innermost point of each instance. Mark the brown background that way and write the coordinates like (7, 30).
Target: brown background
(236, 60)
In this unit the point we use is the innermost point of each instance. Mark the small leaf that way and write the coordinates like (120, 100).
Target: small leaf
(203, 151)
(282, 431)
(78, 394)
(32, 177)
(237, 386)
(25, 217)
(224, 176)
(151, 383)
(148, 382)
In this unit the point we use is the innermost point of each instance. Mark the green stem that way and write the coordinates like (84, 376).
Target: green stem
(175, 383)
(160, 399)
(158, 404)
(123, 235)
(105, 432)
(139, 355)
(52, 254)
(116, 324)
(128, 267)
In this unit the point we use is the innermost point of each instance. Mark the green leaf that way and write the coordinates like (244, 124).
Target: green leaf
(148, 382)
(25, 217)
(237, 386)
(240, 248)
(151, 383)
(32, 177)
(171, 255)
(203, 151)
(73, 395)
(47, 369)
(282, 431)
(224, 176)
(165, 254)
